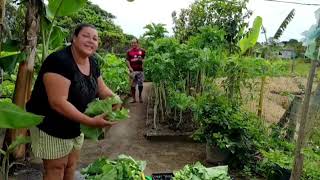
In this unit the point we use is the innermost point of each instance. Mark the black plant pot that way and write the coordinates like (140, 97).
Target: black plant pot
(216, 155)
(279, 173)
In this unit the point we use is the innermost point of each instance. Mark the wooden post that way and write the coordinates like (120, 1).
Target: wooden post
(298, 162)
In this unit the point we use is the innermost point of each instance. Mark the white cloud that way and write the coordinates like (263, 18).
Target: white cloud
(133, 16)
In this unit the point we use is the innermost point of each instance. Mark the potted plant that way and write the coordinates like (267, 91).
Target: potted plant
(231, 135)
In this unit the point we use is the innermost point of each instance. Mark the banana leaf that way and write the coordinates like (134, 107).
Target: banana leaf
(12, 117)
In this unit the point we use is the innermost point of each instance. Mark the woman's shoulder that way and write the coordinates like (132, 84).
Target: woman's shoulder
(62, 56)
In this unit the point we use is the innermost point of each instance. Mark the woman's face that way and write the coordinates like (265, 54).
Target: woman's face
(87, 41)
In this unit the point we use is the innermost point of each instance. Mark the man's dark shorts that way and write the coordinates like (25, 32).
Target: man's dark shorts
(137, 78)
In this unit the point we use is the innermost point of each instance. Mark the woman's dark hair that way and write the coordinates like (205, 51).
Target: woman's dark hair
(80, 27)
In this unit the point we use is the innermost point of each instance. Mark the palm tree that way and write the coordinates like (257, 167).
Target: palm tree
(155, 31)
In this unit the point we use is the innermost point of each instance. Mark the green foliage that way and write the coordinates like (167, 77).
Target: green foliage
(113, 40)
(239, 70)
(64, 7)
(53, 35)
(8, 60)
(198, 171)
(14, 117)
(230, 16)
(124, 167)
(10, 55)
(100, 107)
(5, 155)
(278, 159)
(180, 101)
(208, 37)
(115, 73)
(225, 125)
(284, 25)
(7, 89)
(154, 31)
(14, 20)
(252, 36)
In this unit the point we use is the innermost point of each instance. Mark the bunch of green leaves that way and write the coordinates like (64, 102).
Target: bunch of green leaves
(225, 125)
(99, 107)
(115, 73)
(6, 164)
(278, 159)
(236, 77)
(7, 89)
(180, 100)
(124, 167)
(198, 171)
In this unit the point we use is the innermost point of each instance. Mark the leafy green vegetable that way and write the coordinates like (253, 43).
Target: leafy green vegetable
(124, 167)
(103, 107)
(199, 172)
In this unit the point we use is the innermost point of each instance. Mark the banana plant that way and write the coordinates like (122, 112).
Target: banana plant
(276, 36)
(11, 55)
(14, 117)
(11, 117)
(52, 35)
(250, 40)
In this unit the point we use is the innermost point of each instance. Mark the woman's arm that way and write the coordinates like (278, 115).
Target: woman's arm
(57, 88)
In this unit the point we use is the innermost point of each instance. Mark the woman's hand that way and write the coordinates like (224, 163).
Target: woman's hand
(100, 121)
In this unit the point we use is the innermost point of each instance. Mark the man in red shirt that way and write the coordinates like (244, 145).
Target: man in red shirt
(135, 57)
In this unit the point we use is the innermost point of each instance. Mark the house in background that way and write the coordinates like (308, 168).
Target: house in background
(287, 53)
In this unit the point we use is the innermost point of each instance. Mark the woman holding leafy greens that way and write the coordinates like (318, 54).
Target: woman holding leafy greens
(68, 80)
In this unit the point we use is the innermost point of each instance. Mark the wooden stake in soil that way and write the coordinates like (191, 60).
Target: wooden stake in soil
(298, 162)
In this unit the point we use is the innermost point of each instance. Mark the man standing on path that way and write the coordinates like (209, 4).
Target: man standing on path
(135, 57)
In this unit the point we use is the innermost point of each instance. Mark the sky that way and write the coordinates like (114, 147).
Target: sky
(133, 16)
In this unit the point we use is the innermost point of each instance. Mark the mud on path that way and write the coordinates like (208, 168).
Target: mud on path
(128, 138)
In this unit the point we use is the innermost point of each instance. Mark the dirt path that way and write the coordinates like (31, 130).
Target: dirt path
(128, 138)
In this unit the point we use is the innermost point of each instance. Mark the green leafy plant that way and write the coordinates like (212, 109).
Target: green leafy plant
(14, 117)
(5, 155)
(198, 171)
(251, 39)
(99, 107)
(124, 167)
(52, 35)
(7, 89)
(115, 73)
(225, 125)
